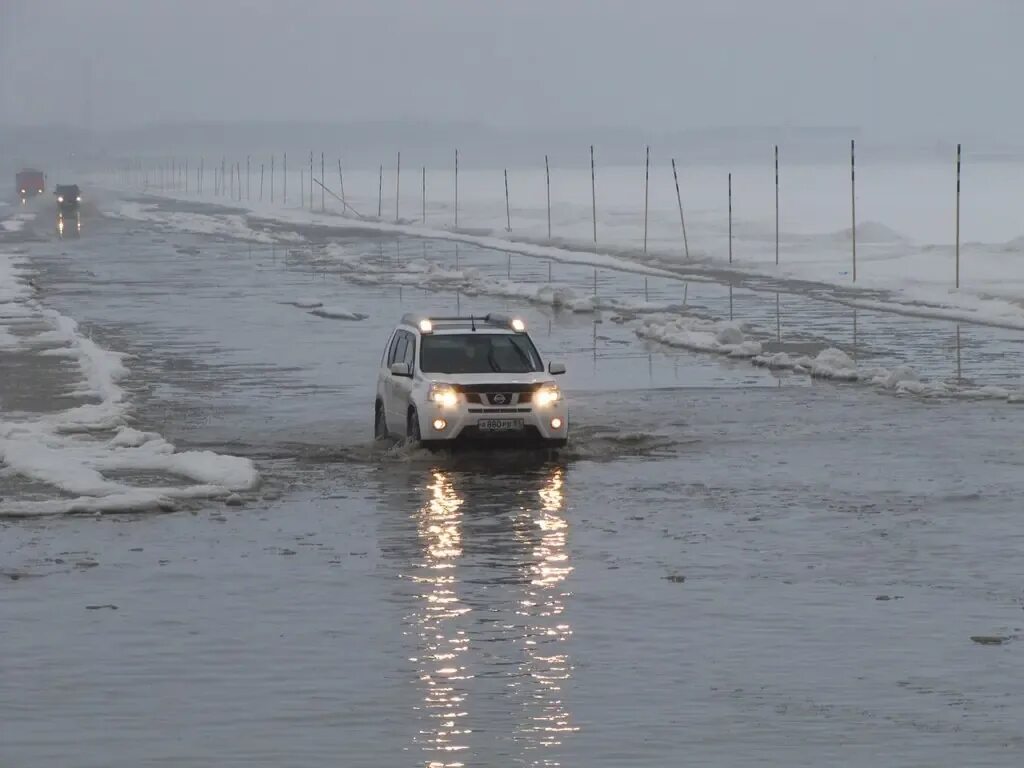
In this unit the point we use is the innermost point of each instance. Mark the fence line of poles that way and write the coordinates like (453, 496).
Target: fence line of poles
(176, 174)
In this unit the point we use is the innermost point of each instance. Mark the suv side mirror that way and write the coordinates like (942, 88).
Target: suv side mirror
(556, 369)
(401, 369)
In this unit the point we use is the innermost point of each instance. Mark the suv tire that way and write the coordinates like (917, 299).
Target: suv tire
(380, 424)
(412, 427)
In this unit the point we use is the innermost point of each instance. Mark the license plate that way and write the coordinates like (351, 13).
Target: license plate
(500, 425)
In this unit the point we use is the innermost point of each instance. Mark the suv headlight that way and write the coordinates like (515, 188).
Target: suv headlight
(60, 199)
(444, 395)
(547, 395)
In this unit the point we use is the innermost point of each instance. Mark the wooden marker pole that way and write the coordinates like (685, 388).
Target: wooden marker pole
(261, 182)
(593, 192)
(647, 186)
(424, 211)
(730, 218)
(547, 176)
(380, 190)
(853, 209)
(311, 180)
(957, 215)
(398, 183)
(508, 213)
(776, 205)
(272, 177)
(679, 201)
(341, 181)
(284, 191)
(456, 188)
(323, 179)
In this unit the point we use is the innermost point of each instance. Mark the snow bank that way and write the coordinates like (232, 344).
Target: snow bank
(719, 337)
(230, 225)
(75, 450)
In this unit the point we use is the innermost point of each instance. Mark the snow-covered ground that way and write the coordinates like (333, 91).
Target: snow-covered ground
(84, 454)
(905, 222)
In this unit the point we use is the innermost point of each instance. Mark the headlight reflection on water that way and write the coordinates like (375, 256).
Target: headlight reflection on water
(497, 668)
(441, 644)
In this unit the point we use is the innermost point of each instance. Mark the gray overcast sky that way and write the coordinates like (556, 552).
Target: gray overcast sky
(889, 66)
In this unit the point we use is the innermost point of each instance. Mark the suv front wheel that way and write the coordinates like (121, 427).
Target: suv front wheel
(380, 424)
(412, 428)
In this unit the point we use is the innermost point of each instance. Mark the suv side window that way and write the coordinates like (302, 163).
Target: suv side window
(401, 347)
(393, 351)
(410, 351)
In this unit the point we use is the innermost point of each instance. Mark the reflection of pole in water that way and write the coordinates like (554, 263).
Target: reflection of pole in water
(959, 370)
(458, 302)
(855, 340)
(778, 319)
(730, 302)
(456, 257)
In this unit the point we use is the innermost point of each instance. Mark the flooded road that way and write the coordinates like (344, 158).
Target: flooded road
(727, 567)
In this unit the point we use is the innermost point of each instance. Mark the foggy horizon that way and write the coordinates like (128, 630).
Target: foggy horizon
(916, 70)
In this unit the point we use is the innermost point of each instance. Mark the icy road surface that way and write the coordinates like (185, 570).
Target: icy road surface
(730, 566)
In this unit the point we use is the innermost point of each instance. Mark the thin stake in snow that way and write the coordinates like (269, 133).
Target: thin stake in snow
(272, 177)
(311, 180)
(398, 183)
(202, 173)
(776, 205)
(261, 182)
(547, 176)
(424, 194)
(284, 172)
(508, 214)
(341, 181)
(323, 177)
(456, 194)
(647, 186)
(853, 210)
(730, 218)
(957, 215)
(248, 195)
(380, 190)
(679, 201)
(593, 196)
(186, 175)
(302, 188)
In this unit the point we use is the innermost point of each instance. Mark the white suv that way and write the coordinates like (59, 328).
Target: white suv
(447, 379)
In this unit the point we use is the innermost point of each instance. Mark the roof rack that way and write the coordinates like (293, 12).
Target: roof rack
(426, 322)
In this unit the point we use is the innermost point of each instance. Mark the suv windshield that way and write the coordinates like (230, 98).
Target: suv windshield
(478, 353)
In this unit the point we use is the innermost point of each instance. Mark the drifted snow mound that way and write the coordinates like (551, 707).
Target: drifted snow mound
(833, 363)
(870, 232)
(338, 313)
(720, 337)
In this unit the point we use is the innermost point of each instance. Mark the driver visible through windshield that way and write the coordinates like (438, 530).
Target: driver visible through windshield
(478, 353)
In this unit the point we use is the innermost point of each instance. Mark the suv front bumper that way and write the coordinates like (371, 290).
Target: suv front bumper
(476, 423)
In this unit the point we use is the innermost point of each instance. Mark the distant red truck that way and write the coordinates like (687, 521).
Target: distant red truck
(30, 183)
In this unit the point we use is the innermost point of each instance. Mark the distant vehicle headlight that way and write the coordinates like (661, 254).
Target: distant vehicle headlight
(443, 395)
(60, 199)
(23, 191)
(78, 199)
(546, 396)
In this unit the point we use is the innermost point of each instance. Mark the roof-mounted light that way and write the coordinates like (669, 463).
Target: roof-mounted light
(426, 326)
(518, 325)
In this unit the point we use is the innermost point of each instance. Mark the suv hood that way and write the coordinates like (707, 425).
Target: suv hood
(498, 379)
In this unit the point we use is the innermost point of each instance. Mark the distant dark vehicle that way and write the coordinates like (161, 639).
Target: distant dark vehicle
(69, 196)
(30, 183)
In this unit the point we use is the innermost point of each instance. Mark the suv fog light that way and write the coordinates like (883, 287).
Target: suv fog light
(440, 424)
(556, 423)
